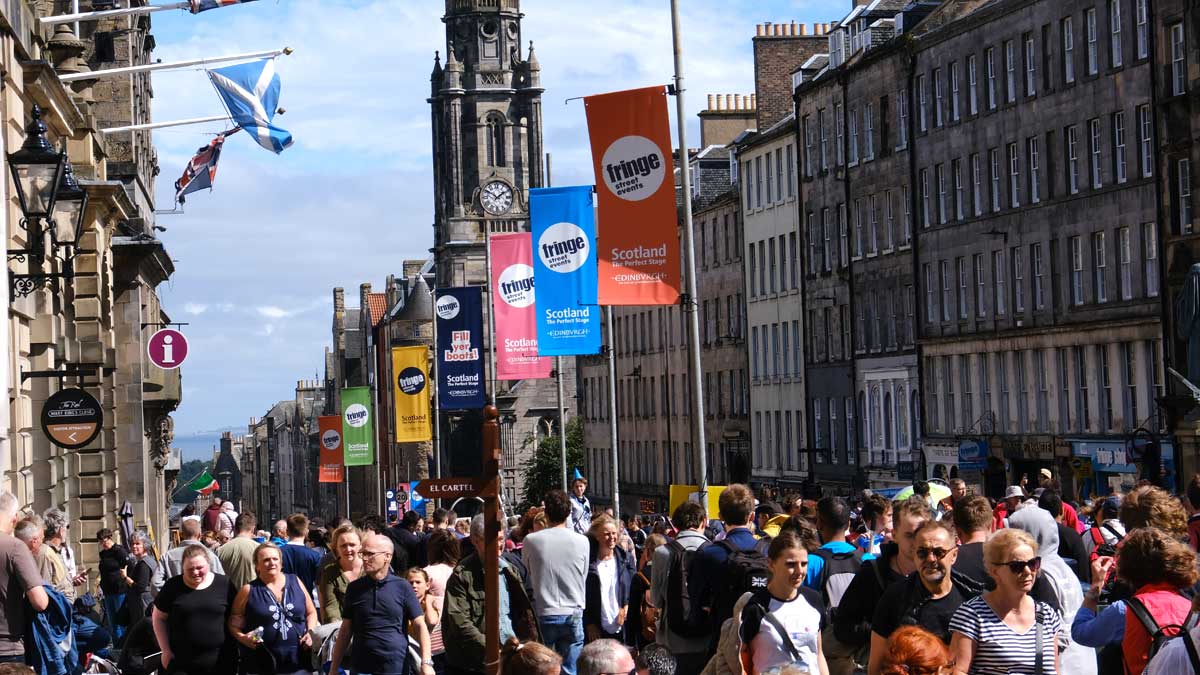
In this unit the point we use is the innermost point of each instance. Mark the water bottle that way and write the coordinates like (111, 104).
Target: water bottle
(257, 635)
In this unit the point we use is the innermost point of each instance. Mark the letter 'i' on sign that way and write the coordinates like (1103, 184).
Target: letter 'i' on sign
(358, 435)
(514, 305)
(564, 267)
(167, 349)
(635, 178)
(410, 366)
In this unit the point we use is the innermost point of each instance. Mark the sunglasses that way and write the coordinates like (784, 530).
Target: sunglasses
(939, 553)
(1017, 566)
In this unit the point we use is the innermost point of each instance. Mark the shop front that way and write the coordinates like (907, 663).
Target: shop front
(941, 459)
(1107, 466)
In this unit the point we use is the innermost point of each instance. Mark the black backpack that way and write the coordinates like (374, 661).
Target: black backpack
(1160, 635)
(682, 619)
(746, 571)
(836, 574)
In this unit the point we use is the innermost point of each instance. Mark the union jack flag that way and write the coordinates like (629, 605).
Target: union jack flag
(201, 171)
(205, 5)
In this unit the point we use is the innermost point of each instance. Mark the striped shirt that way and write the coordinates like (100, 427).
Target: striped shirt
(999, 650)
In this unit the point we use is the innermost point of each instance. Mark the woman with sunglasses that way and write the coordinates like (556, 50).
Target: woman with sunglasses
(1157, 567)
(782, 623)
(1004, 630)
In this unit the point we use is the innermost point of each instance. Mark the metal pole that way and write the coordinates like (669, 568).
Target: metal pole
(491, 541)
(487, 258)
(612, 410)
(437, 413)
(78, 16)
(690, 299)
(114, 72)
(562, 411)
(161, 125)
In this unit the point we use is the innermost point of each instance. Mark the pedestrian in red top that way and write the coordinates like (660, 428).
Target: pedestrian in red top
(1158, 567)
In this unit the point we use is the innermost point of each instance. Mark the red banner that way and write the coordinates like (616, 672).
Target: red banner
(331, 470)
(638, 226)
(515, 310)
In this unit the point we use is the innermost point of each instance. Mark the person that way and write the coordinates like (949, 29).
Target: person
(227, 520)
(431, 608)
(958, 490)
(19, 582)
(1000, 631)
(604, 657)
(271, 617)
(973, 523)
(463, 618)
(1149, 506)
(610, 575)
(189, 618)
(407, 537)
(642, 619)
(380, 612)
(298, 558)
(1059, 579)
(189, 533)
(1070, 542)
(782, 623)
(833, 565)
(668, 580)
(211, 518)
(1107, 531)
(337, 576)
(443, 554)
(633, 528)
(1174, 657)
(852, 622)
(56, 540)
(237, 554)
(114, 559)
(139, 575)
(1157, 566)
(528, 658)
(558, 559)
(1193, 507)
(877, 517)
(912, 650)
(763, 513)
(655, 659)
(31, 532)
(581, 508)
(928, 598)
(709, 581)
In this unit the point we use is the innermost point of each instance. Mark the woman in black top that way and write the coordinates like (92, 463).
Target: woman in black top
(189, 619)
(113, 561)
(642, 619)
(142, 567)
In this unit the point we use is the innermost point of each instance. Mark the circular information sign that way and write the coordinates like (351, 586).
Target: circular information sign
(72, 418)
(167, 349)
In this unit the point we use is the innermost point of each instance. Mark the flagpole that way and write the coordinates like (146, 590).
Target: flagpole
(163, 125)
(612, 410)
(562, 411)
(690, 299)
(108, 13)
(114, 72)
(437, 403)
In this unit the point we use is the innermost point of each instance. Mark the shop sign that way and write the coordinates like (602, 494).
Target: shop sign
(1028, 447)
(72, 418)
(906, 470)
(972, 455)
(1082, 467)
(1105, 456)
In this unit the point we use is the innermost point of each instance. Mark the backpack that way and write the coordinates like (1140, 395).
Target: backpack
(1101, 548)
(682, 618)
(1160, 635)
(836, 574)
(745, 571)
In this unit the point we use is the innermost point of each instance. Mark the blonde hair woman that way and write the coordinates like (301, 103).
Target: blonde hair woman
(336, 576)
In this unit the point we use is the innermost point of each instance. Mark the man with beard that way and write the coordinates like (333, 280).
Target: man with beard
(928, 598)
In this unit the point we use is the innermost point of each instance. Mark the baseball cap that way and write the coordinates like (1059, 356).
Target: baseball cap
(1111, 507)
(1014, 491)
(771, 508)
(1045, 473)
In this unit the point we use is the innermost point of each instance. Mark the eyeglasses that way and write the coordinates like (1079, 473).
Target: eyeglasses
(1017, 566)
(367, 555)
(939, 553)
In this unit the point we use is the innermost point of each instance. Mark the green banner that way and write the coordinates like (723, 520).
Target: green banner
(358, 429)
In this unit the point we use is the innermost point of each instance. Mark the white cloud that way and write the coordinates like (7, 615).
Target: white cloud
(272, 312)
(195, 308)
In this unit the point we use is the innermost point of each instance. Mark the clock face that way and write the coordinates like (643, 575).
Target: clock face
(496, 198)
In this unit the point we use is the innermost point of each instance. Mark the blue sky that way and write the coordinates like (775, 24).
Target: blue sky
(257, 259)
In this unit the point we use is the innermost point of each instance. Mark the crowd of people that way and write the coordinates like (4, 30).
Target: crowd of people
(1034, 584)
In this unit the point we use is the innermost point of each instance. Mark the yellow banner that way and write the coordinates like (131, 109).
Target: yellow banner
(410, 365)
(681, 493)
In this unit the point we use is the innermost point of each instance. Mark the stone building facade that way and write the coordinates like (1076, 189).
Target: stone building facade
(279, 459)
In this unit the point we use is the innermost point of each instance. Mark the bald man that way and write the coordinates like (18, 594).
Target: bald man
(373, 603)
(604, 656)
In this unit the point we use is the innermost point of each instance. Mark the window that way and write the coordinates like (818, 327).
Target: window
(1064, 383)
(1146, 140)
(1118, 122)
(1030, 66)
(959, 203)
(1043, 393)
(770, 178)
(889, 219)
(954, 111)
(948, 381)
(930, 295)
(1022, 392)
(976, 185)
(1002, 380)
(874, 220)
(980, 288)
(1150, 249)
(1076, 271)
(1000, 280)
(827, 249)
(1093, 53)
(985, 385)
(758, 181)
(991, 77)
(938, 107)
(1125, 260)
(839, 121)
(843, 236)
(972, 86)
(1114, 28)
(814, 239)
(1094, 149)
(923, 105)
(1143, 28)
(1082, 404)
(868, 133)
(1018, 265)
(1129, 357)
(851, 437)
(1185, 196)
(994, 161)
(853, 136)
(753, 277)
(824, 139)
(795, 262)
(924, 197)
(809, 146)
(1068, 47)
(858, 229)
(1014, 176)
(771, 258)
(964, 291)
(907, 216)
(1100, 265)
(1178, 60)
(1106, 399)
(1039, 283)
(964, 376)
(1073, 159)
(1035, 170)
(1010, 72)
(940, 175)
(902, 119)
(947, 302)
(779, 173)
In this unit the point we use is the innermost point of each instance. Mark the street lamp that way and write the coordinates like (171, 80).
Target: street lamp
(69, 207)
(37, 170)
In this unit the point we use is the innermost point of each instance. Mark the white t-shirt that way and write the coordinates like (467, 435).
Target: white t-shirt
(801, 620)
(610, 606)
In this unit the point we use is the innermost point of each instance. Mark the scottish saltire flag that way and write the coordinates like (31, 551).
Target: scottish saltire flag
(201, 171)
(251, 94)
(205, 5)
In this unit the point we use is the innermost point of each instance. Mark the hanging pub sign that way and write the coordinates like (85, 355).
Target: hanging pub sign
(72, 418)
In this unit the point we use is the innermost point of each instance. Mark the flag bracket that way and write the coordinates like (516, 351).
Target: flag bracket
(76, 370)
(160, 324)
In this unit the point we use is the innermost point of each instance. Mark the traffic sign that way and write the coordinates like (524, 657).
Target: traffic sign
(72, 418)
(453, 488)
(167, 349)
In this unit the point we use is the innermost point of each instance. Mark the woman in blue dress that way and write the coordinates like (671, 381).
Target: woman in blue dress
(272, 617)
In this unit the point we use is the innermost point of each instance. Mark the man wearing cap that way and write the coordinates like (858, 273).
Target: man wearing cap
(1108, 530)
(1013, 496)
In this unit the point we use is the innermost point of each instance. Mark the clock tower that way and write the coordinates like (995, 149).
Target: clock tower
(487, 135)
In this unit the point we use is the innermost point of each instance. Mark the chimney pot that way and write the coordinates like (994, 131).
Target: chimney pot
(754, 101)
(758, 30)
(729, 102)
(710, 102)
(737, 102)
(794, 28)
(779, 29)
(803, 28)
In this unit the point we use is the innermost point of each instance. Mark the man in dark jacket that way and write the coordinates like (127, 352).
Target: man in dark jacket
(463, 616)
(852, 625)
(407, 535)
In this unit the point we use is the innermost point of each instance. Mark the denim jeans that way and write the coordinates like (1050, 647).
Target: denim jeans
(563, 634)
(112, 605)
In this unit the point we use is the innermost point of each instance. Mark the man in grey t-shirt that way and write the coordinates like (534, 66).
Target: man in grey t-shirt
(557, 559)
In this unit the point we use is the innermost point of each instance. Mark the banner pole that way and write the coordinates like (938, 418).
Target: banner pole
(76, 16)
(491, 343)
(612, 409)
(562, 412)
(690, 300)
(170, 65)
(437, 413)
